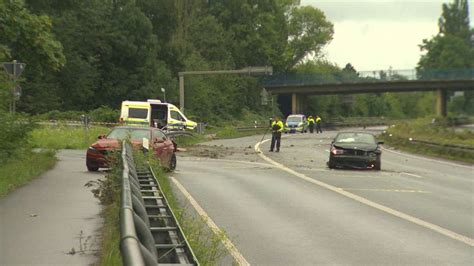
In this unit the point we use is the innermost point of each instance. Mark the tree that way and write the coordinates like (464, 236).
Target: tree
(349, 68)
(308, 32)
(28, 38)
(455, 20)
(452, 48)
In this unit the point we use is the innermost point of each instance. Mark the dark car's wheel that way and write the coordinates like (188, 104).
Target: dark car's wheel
(378, 163)
(92, 168)
(173, 163)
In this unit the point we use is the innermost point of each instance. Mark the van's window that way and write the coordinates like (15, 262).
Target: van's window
(176, 115)
(141, 113)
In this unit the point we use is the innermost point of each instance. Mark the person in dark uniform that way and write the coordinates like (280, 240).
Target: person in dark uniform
(277, 128)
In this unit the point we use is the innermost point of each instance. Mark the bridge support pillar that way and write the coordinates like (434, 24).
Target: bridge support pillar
(297, 103)
(293, 103)
(441, 99)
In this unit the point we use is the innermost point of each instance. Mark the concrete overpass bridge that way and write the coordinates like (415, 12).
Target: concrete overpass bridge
(300, 85)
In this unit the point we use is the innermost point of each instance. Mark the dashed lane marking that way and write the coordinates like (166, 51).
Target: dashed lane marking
(464, 239)
(239, 258)
(386, 190)
(410, 174)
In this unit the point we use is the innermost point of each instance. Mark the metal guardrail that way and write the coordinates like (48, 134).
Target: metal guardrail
(331, 123)
(149, 231)
(463, 148)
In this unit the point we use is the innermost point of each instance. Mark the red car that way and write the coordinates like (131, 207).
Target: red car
(160, 144)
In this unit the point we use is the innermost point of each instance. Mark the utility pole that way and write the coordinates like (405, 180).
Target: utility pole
(14, 87)
(266, 70)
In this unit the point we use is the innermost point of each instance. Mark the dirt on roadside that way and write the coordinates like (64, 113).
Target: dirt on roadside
(216, 151)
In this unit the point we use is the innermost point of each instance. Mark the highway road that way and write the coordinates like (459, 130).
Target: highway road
(54, 220)
(287, 208)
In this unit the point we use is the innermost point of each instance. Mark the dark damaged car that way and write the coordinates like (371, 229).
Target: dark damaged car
(357, 150)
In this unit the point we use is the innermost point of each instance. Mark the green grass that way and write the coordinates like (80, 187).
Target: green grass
(22, 168)
(65, 137)
(422, 129)
(110, 251)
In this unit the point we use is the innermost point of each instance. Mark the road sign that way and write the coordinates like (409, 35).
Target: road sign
(14, 69)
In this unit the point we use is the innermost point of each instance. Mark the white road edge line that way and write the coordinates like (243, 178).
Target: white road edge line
(433, 227)
(429, 159)
(239, 258)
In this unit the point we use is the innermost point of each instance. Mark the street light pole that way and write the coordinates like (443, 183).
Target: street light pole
(164, 94)
(181, 91)
(266, 70)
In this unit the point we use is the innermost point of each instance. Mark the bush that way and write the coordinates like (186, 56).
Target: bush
(13, 135)
(58, 115)
(104, 114)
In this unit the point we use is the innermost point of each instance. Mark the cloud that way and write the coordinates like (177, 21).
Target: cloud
(377, 34)
(374, 45)
(401, 10)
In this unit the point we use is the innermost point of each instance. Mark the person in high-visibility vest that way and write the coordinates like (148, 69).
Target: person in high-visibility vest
(311, 124)
(277, 128)
(318, 124)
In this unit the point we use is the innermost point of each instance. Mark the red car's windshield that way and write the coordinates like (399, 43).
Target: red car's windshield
(133, 133)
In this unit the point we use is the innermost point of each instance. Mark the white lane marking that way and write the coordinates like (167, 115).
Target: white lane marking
(239, 258)
(410, 174)
(429, 159)
(467, 240)
(387, 190)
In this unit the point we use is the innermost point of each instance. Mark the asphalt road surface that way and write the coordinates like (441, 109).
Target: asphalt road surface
(416, 211)
(54, 220)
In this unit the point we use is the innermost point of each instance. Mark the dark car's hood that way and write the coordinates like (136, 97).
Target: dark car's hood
(356, 146)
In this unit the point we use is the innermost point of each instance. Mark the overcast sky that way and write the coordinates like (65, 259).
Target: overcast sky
(378, 34)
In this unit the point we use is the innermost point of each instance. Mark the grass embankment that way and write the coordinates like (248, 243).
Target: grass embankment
(65, 137)
(110, 249)
(399, 136)
(22, 168)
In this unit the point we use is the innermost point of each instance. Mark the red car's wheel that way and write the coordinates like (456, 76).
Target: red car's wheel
(173, 163)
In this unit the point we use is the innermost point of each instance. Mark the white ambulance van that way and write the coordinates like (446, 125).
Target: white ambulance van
(154, 113)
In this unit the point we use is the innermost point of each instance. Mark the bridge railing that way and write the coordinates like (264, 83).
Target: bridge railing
(301, 79)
